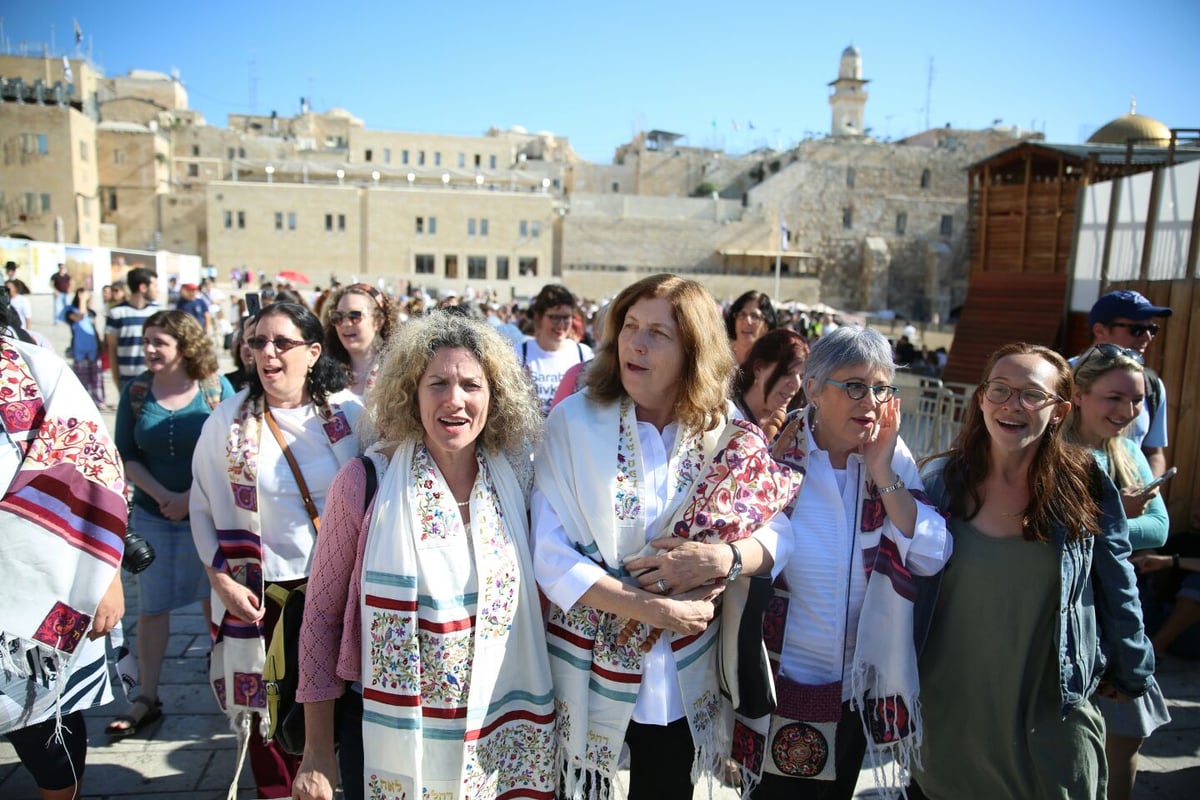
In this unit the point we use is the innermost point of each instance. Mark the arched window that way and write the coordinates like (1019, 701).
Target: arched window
(925, 177)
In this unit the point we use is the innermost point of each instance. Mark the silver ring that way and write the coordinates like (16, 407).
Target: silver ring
(662, 586)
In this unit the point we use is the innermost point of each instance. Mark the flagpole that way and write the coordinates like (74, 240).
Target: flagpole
(777, 260)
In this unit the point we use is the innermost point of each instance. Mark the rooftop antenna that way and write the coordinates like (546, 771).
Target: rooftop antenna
(928, 93)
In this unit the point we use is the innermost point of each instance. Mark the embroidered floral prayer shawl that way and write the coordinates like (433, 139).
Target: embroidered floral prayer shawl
(225, 526)
(457, 699)
(62, 518)
(724, 486)
(885, 660)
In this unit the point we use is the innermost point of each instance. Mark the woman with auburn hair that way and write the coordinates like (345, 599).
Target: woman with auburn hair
(159, 419)
(446, 535)
(1025, 506)
(769, 383)
(358, 325)
(750, 316)
(647, 501)
(1109, 392)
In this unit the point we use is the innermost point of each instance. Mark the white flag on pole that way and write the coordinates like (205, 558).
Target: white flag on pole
(783, 233)
(67, 70)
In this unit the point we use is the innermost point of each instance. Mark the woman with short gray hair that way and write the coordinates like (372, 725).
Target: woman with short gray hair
(862, 528)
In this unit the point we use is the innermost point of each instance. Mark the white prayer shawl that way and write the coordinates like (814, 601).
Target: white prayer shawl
(588, 469)
(226, 528)
(457, 697)
(62, 514)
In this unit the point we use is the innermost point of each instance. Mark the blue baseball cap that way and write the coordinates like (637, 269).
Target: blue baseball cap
(1126, 304)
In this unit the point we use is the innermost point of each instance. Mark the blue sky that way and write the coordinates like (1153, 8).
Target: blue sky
(597, 72)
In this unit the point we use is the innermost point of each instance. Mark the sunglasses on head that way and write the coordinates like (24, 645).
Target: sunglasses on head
(1107, 350)
(1137, 328)
(282, 343)
(337, 317)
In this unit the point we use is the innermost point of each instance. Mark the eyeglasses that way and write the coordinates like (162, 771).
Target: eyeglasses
(338, 317)
(1137, 329)
(857, 390)
(559, 319)
(1032, 399)
(1108, 350)
(752, 316)
(282, 343)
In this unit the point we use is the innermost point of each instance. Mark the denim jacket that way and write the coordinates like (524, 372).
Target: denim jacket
(1100, 632)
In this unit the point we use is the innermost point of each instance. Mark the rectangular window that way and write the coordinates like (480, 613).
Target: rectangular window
(278, 220)
(501, 268)
(83, 151)
(341, 223)
(483, 227)
(901, 223)
(616, 187)
(193, 170)
(471, 226)
(291, 220)
(535, 229)
(420, 224)
(849, 177)
(228, 219)
(432, 225)
(847, 218)
(522, 229)
(421, 158)
(196, 150)
(437, 159)
(242, 219)
(425, 264)
(462, 160)
(329, 222)
(477, 267)
(403, 156)
(451, 266)
(367, 155)
(45, 202)
(112, 201)
(527, 267)
(118, 156)
(43, 144)
(947, 225)
(30, 203)
(230, 153)
(491, 162)
(387, 155)
(478, 160)
(241, 152)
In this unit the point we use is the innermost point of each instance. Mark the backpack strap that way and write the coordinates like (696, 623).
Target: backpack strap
(579, 348)
(139, 387)
(372, 481)
(1153, 395)
(524, 352)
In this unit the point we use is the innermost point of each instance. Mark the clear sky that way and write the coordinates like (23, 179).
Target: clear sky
(598, 72)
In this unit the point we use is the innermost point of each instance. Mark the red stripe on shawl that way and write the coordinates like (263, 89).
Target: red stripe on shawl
(444, 713)
(570, 636)
(67, 483)
(885, 559)
(511, 716)
(524, 791)
(409, 700)
(391, 604)
(679, 644)
(447, 627)
(39, 515)
(616, 677)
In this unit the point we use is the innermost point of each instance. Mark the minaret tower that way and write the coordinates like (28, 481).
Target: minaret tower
(849, 98)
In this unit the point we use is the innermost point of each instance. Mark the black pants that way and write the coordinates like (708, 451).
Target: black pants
(850, 745)
(660, 761)
(54, 764)
(350, 744)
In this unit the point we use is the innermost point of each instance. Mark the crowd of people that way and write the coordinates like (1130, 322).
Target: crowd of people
(673, 537)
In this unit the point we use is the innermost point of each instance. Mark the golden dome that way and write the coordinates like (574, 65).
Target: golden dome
(1133, 126)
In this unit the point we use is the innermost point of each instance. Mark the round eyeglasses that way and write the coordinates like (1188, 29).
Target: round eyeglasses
(1032, 399)
(857, 390)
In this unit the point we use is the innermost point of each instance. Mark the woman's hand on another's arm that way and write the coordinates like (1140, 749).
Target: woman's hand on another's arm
(237, 599)
(681, 564)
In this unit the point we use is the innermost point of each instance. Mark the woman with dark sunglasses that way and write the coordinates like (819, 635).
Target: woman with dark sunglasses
(262, 468)
(362, 319)
(1010, 632)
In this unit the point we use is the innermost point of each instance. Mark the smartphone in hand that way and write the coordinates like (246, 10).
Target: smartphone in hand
(253, 304)
(1159, 481)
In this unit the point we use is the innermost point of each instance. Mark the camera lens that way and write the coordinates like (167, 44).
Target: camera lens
(138, 555)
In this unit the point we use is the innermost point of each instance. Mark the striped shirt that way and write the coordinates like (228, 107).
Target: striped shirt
(126, 322)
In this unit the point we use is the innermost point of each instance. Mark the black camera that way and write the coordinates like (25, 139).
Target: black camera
(138, 555)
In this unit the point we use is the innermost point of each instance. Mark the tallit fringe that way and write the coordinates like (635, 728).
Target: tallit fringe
(892, 763)
(574, 779)
(241, 724)
(709, 757)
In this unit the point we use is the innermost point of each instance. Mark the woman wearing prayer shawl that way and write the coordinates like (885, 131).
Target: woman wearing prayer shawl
(862, 529)
(62, 513)
(647, 500)
(426, 603)
(251, 522)
(1038, 611)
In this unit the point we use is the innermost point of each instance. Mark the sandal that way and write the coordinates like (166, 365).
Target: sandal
(133, 724)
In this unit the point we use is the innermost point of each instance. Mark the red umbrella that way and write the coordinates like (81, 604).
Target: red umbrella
(291, 276)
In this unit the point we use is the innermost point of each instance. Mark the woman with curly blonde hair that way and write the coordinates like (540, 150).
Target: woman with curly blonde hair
(159, 419)
(648, 501)
(426, 599)
(360, 321)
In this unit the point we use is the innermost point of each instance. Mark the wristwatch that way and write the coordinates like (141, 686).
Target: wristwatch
(735, 569)
(895, 487)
